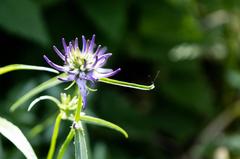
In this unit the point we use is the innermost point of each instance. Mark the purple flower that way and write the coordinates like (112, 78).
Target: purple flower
(83, 66)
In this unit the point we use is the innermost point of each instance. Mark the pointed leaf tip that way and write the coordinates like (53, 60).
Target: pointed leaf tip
(127, 84)
(102, 122)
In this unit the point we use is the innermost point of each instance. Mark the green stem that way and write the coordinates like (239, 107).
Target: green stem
(79, 108)
(65, 144)
(54, 137)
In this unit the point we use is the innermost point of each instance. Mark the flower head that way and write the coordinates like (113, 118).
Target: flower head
(83, 66)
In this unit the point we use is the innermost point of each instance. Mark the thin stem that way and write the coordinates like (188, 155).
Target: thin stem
(65, 144)
(54, 137)
(79, 108)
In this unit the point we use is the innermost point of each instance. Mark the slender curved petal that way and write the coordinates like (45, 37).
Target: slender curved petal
(57, 67)
(59, 53)
(98, 75)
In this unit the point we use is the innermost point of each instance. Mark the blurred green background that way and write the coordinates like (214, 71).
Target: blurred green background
(193, 113)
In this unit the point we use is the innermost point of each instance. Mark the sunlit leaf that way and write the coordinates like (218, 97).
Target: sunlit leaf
(80, 144)
(14, 134)
(15, 67)
(65, 144)
(35, 101)
(127, 84)
(46, 85)
(101, 122)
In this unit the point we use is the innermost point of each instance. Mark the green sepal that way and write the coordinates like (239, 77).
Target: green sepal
(101, 122)
(15, 67)
(126, 84)
(68, 87)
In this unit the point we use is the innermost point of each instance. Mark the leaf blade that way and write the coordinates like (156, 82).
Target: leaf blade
(101, 122)
(15, 67)
(14, 134)
(45, 85)
(46, 97)
(80, 144)
(127, 84)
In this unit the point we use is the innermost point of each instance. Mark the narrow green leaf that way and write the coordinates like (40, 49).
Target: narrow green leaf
(101, 122)
(14, 134)
(15, 67)
(54, 136)
(127, 84)
(48, 84)
(35, 101)
(80, 144)
(68, 87)
(65, 144)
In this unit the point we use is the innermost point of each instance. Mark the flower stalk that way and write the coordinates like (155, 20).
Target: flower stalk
(54, 137)
(65, 144)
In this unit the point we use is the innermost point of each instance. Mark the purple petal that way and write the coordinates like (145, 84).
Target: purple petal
(105, 55)
(102, 51)
(55, 66)
(67, 79)
(98, 75)
(97, 51)
(87, 46)
(92, 43)
(103, 70)
(59, 53)
(63, 79)
(76, 43)
(102, 60)
(84, 44)
(70, 46)
(64, 45)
